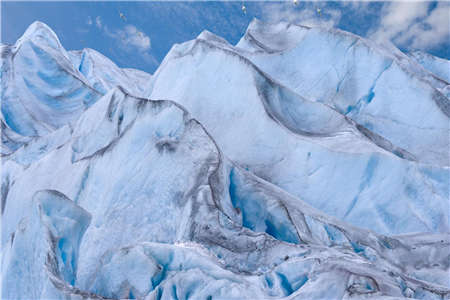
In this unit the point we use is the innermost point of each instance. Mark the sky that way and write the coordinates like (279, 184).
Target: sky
(139, 34)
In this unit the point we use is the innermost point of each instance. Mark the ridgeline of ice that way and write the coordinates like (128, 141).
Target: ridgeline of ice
(437, 66)
(378, 87)
(309, 148)
(238, 186)
(45, 87)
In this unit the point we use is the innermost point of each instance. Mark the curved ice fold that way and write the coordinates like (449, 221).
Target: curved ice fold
(45, 244)
(276, 38)
(40, 90)
(307, 148)
(229, 228)
(45, 87)
(377, 86)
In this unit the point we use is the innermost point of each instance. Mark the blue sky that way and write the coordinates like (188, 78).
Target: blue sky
(146, 32)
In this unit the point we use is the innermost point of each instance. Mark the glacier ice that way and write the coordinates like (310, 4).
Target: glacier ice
(381, 89)
(231, 173)
(307, 148)
(45, 244)
(437, 66)
(41, 91)
(45, 87)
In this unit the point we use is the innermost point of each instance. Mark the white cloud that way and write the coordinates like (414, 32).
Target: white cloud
(318, 15)
(131, 36)
(412, 25)
(128, 38)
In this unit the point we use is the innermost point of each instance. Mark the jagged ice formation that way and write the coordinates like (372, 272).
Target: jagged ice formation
(302, 163)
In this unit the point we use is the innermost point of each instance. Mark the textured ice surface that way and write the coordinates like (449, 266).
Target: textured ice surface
(40, 89)
(45, 87)
(46, 242)
(438, 66)
(307, 148)
(378, 87)
(260, 193)
(103, 74)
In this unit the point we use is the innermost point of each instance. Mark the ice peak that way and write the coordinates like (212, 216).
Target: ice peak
(270, 37)
(209, 36)
(41, 33)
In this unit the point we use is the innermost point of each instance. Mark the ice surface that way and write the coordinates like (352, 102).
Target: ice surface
(45, 87)
(46, 241)
(438, 66)
(378, 87)
(261, 193)
(307, 148)
(40, 90)
(103, 74)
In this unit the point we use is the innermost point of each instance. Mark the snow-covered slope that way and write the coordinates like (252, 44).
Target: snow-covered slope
(222, 183)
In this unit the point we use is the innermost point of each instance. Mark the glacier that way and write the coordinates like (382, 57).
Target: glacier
(301, 163)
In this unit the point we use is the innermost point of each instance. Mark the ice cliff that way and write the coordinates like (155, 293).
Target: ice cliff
(301, 163)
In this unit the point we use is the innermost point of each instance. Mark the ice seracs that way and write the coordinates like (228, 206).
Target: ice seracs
(45, 244)
(45, 87)
(40, 89)
(306, 147)
(378, 87)
(226, 225)
(223, 183)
